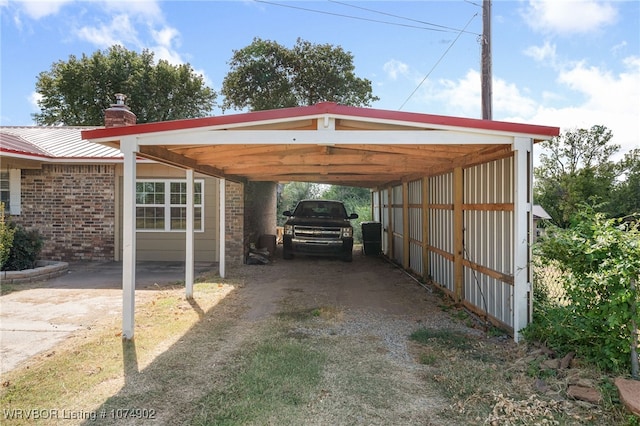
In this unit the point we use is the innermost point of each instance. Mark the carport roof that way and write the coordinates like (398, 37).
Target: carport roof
(323, 143)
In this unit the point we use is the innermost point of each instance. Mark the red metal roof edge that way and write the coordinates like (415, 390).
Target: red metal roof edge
(25, 153)
(114, 159)
(321, 108)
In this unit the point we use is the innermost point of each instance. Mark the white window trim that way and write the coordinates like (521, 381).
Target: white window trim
(15, 194)
(167, 205)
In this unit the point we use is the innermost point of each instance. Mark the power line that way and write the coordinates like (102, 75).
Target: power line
(438, 61)
(359, 18)
(402, 17)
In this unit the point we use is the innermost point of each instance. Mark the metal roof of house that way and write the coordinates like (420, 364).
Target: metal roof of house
(539, 212)
(53, 143)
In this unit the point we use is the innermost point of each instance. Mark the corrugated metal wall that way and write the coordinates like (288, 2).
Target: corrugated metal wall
(488, 238)
(488, 235)
(441, 230)
(384, 219)
(375, 200)
(397, 223)
(415, 227)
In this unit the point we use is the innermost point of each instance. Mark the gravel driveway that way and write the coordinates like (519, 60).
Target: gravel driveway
(34, 319)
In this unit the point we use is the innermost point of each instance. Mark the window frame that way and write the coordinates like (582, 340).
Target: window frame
(14, 191)
(168, 206)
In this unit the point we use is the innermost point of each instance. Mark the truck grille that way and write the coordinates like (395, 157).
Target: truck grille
(319, 233)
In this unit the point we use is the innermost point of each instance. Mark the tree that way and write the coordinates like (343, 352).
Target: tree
(626, 194)
(267, 75)
(293, 192)
(77, 92)
(577, 168)
(356, 200)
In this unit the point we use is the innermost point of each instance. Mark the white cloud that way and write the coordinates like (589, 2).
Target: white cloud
(149, 9)
(136, 25)
(394, 68)
(165, 38)
(544, 53)
(607, 98)
(619, 47)
(40, 9)
(462, 97)
(119, 31)
(569, 16)
(34, 98)
(611, 100)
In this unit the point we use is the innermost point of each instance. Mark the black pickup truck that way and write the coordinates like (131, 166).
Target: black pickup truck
(320, 228)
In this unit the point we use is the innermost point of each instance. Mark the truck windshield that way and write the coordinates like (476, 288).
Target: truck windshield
(320, 209)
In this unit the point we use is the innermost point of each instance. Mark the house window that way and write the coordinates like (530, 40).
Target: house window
(5, 190)
(161, 205)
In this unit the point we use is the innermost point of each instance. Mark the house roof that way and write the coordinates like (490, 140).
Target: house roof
(53, 143)
(539, 212)
(323, 143)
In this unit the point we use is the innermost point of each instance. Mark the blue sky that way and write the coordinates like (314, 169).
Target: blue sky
(562, 63)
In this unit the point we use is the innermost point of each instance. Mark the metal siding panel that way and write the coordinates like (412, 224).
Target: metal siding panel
(488, 237)
(415, 224)
(416, 258)
(398, 249)
(376, 206)
(384, 195)
(489, 295)
(441, 271)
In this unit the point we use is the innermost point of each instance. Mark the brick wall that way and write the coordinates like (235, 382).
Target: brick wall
(234, 222)
(73, 207)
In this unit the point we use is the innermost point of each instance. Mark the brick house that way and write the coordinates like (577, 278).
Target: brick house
(70, 190)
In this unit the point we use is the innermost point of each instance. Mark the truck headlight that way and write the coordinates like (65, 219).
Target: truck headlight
(347, 232)
(288, 230)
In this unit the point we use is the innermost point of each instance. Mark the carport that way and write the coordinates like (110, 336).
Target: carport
(453, 195)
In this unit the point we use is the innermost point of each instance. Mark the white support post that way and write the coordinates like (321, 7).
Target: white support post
(523, 223)
(128, 147)
(222, 214)
(189, 263)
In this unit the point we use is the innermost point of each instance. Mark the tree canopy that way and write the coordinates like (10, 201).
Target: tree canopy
(267, 75)
(626, 194)
(76, 92)
(576, 167)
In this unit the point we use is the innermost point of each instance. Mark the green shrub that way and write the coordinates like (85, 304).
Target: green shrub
(599, 259)
(6, 238)
(25, 249)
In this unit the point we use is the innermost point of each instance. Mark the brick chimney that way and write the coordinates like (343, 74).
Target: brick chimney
(119, 114)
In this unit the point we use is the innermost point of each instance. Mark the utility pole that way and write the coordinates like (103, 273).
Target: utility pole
(486, 76)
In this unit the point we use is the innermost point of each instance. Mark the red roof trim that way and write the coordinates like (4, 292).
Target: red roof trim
(25, 153)
(114, 159)
(320, 108)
